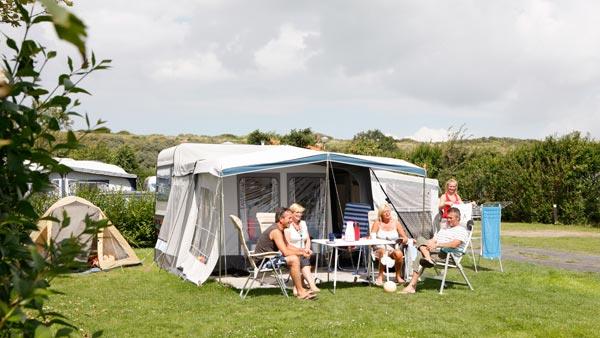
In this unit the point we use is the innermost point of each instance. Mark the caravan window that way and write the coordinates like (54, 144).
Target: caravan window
(309, 191)
(101, 185)
(163, 188)
(204, 237)
(257, 193)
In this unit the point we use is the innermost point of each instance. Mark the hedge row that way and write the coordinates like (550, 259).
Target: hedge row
(559, 170)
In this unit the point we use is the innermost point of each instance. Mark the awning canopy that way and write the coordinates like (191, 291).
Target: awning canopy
(275, 157)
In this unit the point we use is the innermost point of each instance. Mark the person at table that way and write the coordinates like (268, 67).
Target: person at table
(448, 199)
(388, 228)
(454, 237)
(296, 236)
(272, 239)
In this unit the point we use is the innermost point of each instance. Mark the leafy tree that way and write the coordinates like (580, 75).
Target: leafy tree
(125, 158)
(258, 137)
(29, 121)
(99, 151)
(375, 143)
(427, 155)
(300, 138)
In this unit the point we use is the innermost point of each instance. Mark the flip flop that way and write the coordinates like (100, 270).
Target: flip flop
(308, 296)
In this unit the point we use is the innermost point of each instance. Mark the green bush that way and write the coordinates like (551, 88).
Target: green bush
(532, 175)
(133, 215)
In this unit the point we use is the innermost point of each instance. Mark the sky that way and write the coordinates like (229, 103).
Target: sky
(512, 68)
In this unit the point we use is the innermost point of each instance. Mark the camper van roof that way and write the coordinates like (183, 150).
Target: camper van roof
(95, 167)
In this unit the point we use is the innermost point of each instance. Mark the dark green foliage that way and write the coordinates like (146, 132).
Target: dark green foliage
(30, 118)
(533, 176)
(132, 214)
(427, 155)
(559, 170)
(300, 138)
(375, 143)
(257, 137)
(125, 158)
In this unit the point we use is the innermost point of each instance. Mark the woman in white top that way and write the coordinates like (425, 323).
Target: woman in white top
(388, 228)
(296, 235)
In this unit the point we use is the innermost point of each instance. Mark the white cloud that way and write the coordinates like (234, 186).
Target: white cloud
(516, 68)
(287, 53)
(425, 134)
(200, 67)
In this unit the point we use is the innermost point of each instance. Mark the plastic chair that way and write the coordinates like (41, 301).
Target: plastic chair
(266, 265)
(454, 258)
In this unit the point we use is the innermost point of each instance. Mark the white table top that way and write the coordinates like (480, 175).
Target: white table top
(360, 242)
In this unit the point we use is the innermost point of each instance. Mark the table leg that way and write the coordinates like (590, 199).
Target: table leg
(335, 264)
(369, 265)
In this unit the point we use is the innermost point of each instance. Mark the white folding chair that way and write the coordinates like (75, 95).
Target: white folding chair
(265, 220)
(454, 258)
(265, 265)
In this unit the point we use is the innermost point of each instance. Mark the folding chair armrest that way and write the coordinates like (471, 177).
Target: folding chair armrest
(268, 254)
(451, 250)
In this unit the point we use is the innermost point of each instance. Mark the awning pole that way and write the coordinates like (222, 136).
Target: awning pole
(424, 178)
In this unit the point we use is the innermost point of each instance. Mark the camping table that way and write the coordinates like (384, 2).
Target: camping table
(342, 243)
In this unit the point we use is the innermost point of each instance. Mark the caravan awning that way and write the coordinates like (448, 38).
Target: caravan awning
(379, 163)
(275, 157)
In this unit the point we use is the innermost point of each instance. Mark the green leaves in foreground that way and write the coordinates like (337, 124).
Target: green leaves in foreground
(30, 118)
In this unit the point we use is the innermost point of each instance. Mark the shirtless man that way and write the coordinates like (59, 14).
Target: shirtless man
(273, 239)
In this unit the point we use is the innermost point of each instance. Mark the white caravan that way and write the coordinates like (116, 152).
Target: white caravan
(85, 173)
(199, 185)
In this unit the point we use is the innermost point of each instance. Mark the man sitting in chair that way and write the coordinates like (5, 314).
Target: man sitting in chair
(453, 236)
(273, 239)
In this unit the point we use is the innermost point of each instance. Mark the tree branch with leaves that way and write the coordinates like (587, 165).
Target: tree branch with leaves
(31, 115)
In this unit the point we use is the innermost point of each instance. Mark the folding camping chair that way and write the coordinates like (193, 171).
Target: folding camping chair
(265, 220)
(467, 214)
(267, 264)
(453, 260)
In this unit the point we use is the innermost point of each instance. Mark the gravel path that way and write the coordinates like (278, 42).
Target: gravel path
(562, 260)
(559, 259)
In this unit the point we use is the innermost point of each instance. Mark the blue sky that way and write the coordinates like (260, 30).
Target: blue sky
(525, 69)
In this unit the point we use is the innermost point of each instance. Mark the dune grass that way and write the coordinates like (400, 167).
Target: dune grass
(144, 301)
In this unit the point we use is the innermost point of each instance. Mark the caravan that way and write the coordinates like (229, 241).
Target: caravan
(199, 185)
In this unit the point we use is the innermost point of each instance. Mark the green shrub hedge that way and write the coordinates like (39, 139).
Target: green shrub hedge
(533, 176)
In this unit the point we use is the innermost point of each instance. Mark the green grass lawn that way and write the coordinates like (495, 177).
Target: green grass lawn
(144, 301)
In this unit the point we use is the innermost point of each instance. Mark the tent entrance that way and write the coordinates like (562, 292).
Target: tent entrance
(347, 184)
